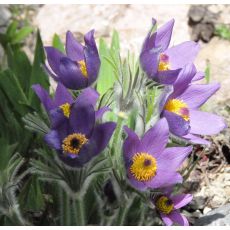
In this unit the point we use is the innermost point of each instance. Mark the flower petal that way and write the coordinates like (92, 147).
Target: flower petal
(139, 185)
(101, 136)
(44, 97)
(167, 77)
(167, 91)
(131, 144)
(71, 76)
(184, 79)
(181, 200)
(176, 217)
(149, 41)
(91, 57)
(172, 158)
(74, 49)
(163, 35)
(54, 56)
(177, 125)
(196, 139)
(182, 54)
(149, 62)
(198, 76)
(82, 118)
(204, 123)
(196, 95)
(53, 140)
(62, 95)
(164, 178)
(156, 138)
(166, 219)
(88, 95)
(100, 112)
(58, 119)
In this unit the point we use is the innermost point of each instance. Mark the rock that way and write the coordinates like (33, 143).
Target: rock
(196, 13)
(216, 217)
(217, 53)
(4, 15)
(132, 21)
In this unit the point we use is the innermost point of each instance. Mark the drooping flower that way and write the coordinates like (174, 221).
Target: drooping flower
(168, 206)
(80, 139)
(79, 67)
(58, 108)
(161, 63)
(181, 104)
(148, 162)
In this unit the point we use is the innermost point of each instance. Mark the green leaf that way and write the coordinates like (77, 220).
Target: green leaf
(106, 76)
(115, 45)
(34, 123)
(21, 34)
(57, 43)
(12, 28)
(207, 72)
(19, 63)
(31, 197)
(6, 151)
(13, 90)
(38, 76)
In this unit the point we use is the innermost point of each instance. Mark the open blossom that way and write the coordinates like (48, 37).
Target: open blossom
(79, 67)
(181, 107)
(58, 107)
(80, 139)
(168, 206)
(149, 164)
(161, 63)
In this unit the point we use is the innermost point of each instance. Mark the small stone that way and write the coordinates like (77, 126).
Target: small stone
(206, 210)
(216, 217)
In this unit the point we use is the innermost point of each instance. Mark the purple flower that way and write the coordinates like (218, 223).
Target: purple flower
(181, 107)
(167, 205)
(80, 139)
(148, 163)
(163, 64)
(58, 108)
(80, 66)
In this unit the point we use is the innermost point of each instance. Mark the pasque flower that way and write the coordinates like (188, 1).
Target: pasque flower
(163, 64)
(80, 139)
(58, 107)
(181, 104)
(148, 162)
(79, 67)
(168, 206)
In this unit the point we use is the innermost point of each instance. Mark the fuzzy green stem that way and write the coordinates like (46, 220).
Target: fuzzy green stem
(80, 211)
(115, 149)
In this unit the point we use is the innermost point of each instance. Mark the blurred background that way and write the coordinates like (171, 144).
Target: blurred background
(207, 24)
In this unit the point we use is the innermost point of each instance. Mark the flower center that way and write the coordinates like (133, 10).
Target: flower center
(65, 109)
(178, 107)
(73, 143)
(83, 68)
(163, 63)
(144, 166)
(164, 205)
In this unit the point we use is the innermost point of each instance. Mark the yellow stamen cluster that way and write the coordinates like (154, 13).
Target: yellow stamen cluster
(83, 68)
(144, 166)
(164, 205)
(65, 109)
(73, 143)
(163, 63)
(176, 106)
(163, 66)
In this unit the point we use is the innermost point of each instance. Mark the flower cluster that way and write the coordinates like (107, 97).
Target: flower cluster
(78, 136)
